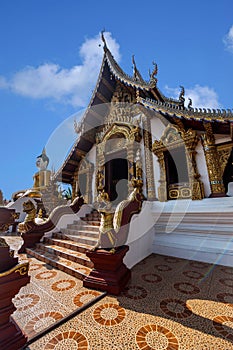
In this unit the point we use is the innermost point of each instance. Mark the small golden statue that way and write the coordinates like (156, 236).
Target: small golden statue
(30, 210)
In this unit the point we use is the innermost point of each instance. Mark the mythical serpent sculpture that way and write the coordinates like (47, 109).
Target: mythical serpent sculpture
(114, 226)
(30, 210)
(153, 78)
(181, 97)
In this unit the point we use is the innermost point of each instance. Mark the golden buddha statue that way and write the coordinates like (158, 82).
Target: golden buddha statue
(42, 177)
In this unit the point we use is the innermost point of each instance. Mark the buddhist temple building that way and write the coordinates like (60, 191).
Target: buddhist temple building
(185, 153)
(142, 256)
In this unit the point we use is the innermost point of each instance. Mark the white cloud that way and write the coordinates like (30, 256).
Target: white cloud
(202, 96)
(228, 39)
(65, 85)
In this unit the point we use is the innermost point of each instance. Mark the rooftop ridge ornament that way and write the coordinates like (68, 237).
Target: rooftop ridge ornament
(190, 104)
(181, 97)
(153, 79)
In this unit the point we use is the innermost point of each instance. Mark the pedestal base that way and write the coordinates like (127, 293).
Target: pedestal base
(11, 337)
(30, 240)
(110, 273)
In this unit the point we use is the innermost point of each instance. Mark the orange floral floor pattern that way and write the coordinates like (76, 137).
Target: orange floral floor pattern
(169, 304)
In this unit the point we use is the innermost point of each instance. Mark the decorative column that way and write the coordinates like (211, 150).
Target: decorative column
(100, 174)
(130, 158)
(213, 163)
(150, 185)
(162, 190)
(75, 186)
(197, 187)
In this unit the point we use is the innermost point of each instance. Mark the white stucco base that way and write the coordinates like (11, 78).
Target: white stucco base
(215, 249)
(195, 230)
(140, 238)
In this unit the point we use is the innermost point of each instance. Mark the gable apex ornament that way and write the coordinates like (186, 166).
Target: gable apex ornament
(104, 40)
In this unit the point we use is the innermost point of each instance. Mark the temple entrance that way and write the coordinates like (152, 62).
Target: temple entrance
(116, 179)
(177, 173)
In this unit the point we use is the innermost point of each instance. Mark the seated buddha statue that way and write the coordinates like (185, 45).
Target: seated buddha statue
(42, 177)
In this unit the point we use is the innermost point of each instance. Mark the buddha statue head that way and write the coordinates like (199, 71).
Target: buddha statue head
(42, 161)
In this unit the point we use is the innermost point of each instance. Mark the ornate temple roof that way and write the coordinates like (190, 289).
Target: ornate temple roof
(198, 114)
(148, 97)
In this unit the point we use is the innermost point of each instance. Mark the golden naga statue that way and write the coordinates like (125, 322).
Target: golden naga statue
(114, 226)
(106, 230)
(30, 209)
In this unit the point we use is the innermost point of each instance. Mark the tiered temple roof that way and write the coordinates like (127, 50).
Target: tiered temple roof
(148, 96)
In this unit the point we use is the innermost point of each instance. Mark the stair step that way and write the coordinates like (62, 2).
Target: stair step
(88, 241)
(195, 229)
(83, 227)
(83, 239)
(72, 268)
(68, 231)
(66, 253)
(91, 222)
(67, 243)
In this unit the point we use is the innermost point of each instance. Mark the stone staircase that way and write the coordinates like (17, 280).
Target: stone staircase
(66, 250)
(204, 235)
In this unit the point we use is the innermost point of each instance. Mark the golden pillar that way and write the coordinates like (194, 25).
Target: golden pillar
(100, 174)
(130, 158)
(212, 162)
(197, 187)
(162, 190)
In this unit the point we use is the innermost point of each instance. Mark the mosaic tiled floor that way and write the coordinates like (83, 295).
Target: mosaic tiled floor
(170, 304)
(51, 294)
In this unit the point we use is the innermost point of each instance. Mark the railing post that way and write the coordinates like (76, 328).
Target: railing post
(13, 276)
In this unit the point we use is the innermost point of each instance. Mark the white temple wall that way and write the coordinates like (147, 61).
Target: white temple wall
(157, 129)
(202, 168)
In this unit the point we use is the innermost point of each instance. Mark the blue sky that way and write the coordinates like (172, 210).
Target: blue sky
(50, 57)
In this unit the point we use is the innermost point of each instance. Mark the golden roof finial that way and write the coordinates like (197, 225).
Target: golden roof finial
(103, 39)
